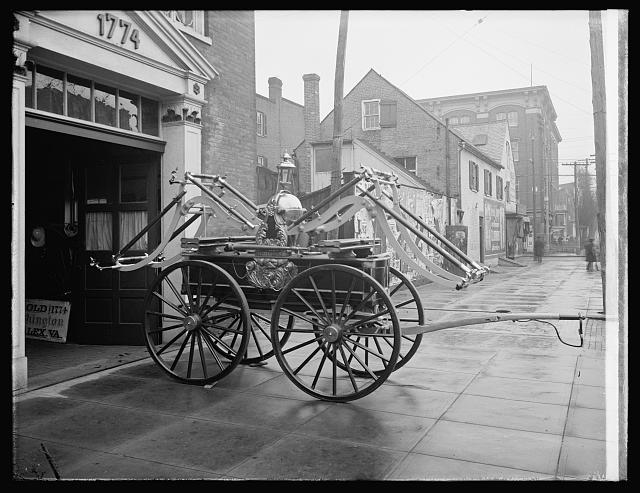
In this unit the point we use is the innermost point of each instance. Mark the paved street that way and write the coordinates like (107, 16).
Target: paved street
(494, 401)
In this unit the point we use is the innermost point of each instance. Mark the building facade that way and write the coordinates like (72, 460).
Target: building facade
(534, 135)
(493, 139)
(397, 128)
(105, 106)
(279, 125)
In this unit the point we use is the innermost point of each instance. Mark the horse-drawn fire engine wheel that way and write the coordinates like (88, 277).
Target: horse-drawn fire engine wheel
(260, 347)
(410, 312)
(202, 316)
(342, 315)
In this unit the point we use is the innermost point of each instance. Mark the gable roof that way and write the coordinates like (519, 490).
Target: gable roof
(468, 142)
(495, 133)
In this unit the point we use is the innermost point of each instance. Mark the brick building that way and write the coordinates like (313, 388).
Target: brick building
(280, 125)
(529, 112)
(105, 106)
(396, 126)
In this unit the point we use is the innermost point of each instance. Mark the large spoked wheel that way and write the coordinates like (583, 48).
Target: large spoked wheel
(343, 315)
(202, 316)
(407, 303)
(260, 347)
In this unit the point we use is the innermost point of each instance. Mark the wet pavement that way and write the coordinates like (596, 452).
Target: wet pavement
(495, 401)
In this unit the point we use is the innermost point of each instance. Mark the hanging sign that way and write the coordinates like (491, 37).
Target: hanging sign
(47, 320)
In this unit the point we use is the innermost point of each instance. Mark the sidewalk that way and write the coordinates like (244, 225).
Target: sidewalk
(493, 401)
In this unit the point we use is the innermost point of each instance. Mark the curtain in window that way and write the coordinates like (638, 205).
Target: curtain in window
(131, 223)
(98, 226)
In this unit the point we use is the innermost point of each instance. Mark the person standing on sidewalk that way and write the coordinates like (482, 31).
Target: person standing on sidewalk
(590, 255)
(538, 249)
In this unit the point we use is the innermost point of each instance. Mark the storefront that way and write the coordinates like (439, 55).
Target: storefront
(105, 105)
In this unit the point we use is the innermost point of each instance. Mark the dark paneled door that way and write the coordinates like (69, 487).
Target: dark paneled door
(120, 196)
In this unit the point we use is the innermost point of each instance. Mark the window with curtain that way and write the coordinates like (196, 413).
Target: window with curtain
(131, 223)
(99, 226)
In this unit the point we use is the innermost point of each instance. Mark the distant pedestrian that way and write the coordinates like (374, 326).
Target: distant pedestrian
(538, 249)
(590, 255)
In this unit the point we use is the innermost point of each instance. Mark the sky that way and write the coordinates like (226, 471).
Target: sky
(428, 53)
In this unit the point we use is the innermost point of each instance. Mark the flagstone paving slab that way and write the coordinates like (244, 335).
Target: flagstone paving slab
(517, 449)
(520, 415)
(520, 389)
(408, 400)
(582, 458)
(200, 444)
(586, 423)
(427, 467)
(304, 458)
(359, 425)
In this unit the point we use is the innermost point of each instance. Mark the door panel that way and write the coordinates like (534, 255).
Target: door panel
(120, 192)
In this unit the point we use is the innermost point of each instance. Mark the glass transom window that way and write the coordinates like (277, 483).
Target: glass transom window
(90, 101)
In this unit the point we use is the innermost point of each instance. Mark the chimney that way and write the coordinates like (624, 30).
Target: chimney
(311, 128)
(311, 107)
(275, 89)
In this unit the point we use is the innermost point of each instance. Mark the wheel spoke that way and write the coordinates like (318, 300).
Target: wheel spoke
(367, 319)
(400, 355)
(395, 290)
(209, 344)
(171, 342)
(325, 320)
(187, 275)
(335, 366)
(215, 305)
(162, 329)
(333, 294)
(405, 303)
(178, 295)
(344, 358)
(302, 317)
(255, 339)
(362, 303)
(368, 350)
(348, 297)
(304, 363)
(162, 298)
(324, 308)
(306, 343)
(167, 315)
(199, 290)
(267, 335)
(324, 357)
(379, 349)
(366, 368)
(209, 293)
(221, 342)
(177, 358)
(190, 355)
(202, 359)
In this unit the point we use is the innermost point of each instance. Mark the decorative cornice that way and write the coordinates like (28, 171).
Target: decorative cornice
(184, 108)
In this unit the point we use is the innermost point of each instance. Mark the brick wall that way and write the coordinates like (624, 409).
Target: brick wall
(416, 134)
(229, 117)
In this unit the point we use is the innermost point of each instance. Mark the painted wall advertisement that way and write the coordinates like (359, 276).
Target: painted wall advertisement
(47, 320)
(494, 228)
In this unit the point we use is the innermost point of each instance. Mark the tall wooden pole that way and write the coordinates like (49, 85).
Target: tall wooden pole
(336, 171)
(599, 132)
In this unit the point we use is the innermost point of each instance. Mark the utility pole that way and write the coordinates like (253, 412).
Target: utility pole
(575, 165)
(336, 172)
(446, 168)
(599, 132)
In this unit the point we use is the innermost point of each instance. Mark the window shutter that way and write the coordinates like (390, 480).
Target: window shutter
(471, 180)
(264, 124)
(388, 113)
